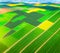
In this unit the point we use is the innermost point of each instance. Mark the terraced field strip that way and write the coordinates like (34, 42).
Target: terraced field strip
(47, 40)
(50, 45)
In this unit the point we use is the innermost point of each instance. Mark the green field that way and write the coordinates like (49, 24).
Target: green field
(30, 28)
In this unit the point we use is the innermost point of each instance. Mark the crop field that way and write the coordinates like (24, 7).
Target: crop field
(26, 28)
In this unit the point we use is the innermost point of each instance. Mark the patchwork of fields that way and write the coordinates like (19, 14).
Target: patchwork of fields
(30, 28)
